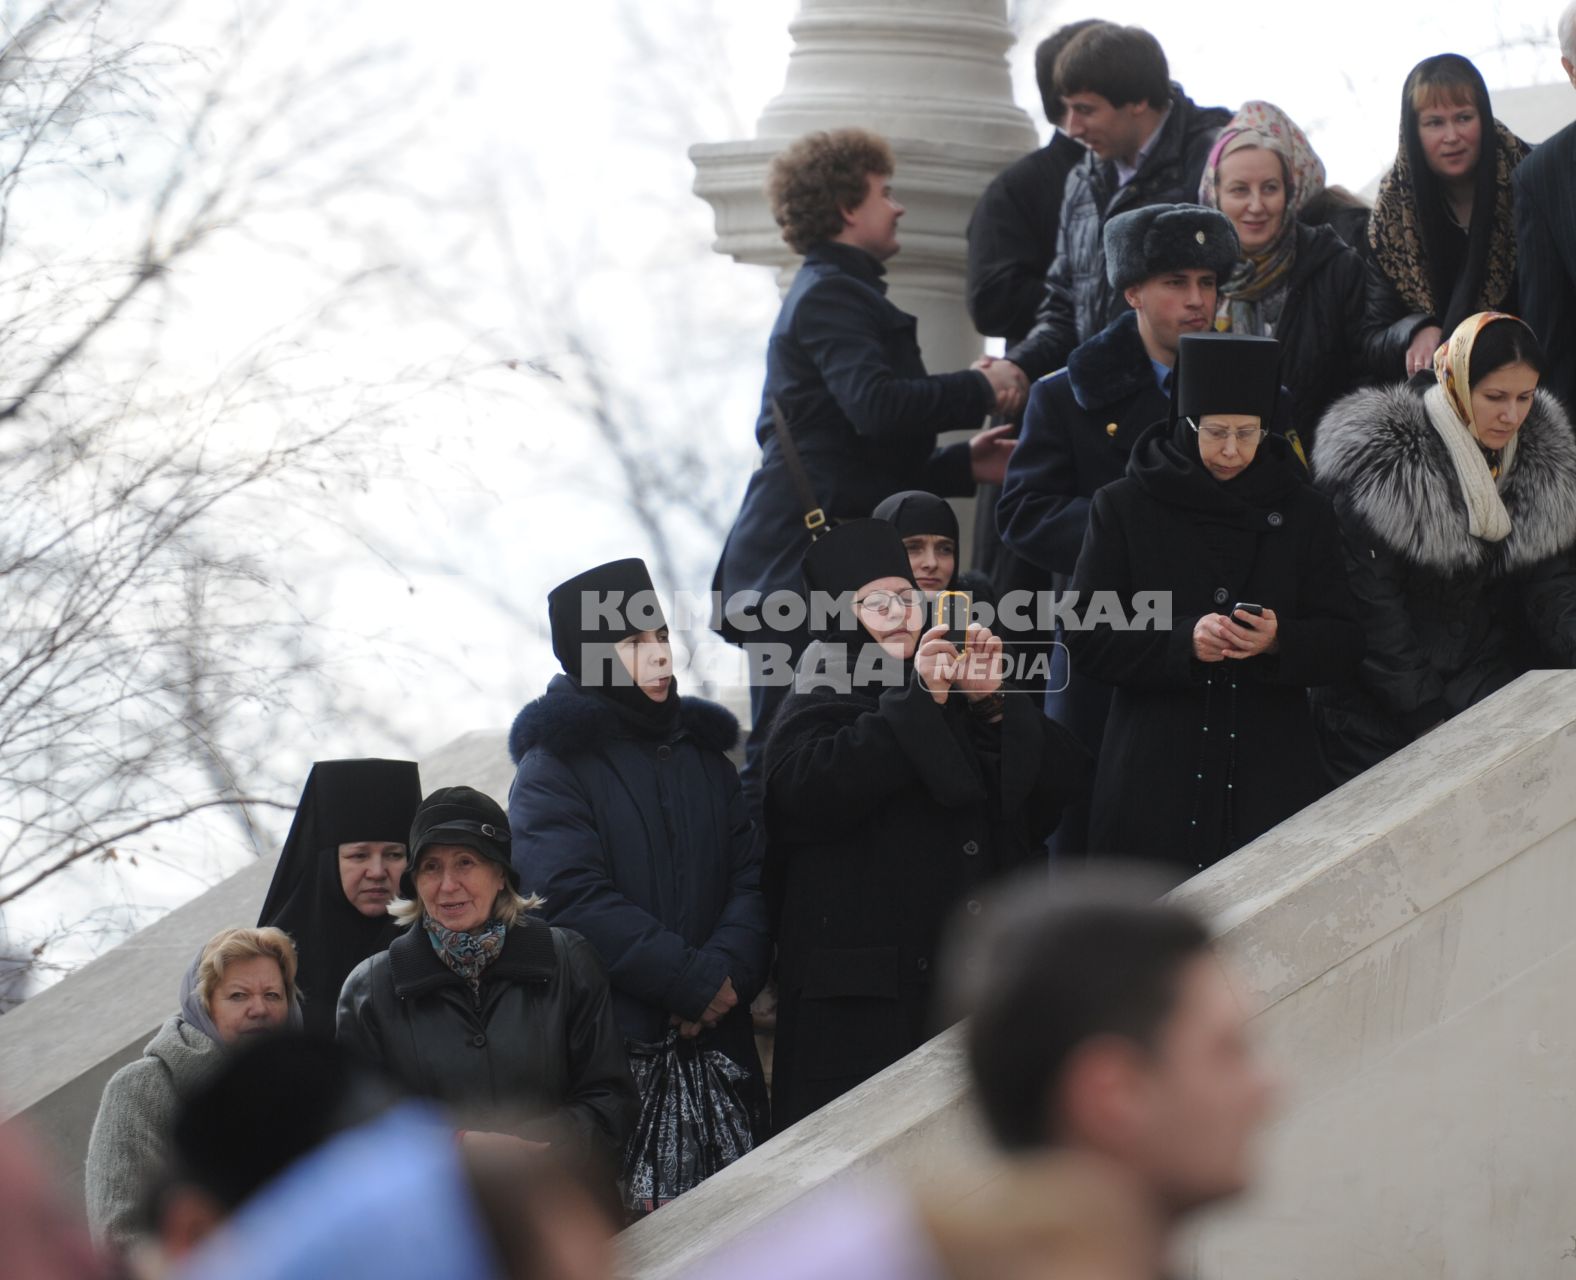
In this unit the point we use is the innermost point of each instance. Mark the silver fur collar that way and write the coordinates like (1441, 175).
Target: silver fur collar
(1377, 451)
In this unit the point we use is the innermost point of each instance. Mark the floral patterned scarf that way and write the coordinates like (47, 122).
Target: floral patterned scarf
(1250, 299)
(467, 954)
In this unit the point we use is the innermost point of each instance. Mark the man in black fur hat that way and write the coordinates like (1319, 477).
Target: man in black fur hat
(1166, 260)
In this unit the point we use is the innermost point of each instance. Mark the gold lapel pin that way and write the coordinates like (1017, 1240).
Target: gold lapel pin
(1110, 428)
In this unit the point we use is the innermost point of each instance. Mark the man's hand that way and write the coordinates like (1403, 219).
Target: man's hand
(1009, 382)
(989, 452)
(1420, 355)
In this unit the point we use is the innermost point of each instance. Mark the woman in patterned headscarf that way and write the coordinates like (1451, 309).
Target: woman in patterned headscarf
(1443, 230)
(1300, 284)
(1456, 494)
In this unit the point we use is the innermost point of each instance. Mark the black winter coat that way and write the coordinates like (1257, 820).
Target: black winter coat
(1545, 186)
(1200, 758)
(1012, 238)
(537, 1054)
(1320, 328)
(1079, 301)
(1450, 618)
(642, 844)
(844, 363)
(1066, 453)
(885, 814)
(1390, 323)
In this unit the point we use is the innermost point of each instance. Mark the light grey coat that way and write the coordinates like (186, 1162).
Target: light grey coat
(131, 1132)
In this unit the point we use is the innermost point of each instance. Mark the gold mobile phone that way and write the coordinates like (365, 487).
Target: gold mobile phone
(954, 610)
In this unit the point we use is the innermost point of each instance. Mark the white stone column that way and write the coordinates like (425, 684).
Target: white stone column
(932, 77)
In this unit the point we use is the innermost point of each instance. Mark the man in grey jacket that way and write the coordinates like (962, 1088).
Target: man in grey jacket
(1147, 144)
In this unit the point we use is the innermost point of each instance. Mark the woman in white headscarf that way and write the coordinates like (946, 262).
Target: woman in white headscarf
(1456, 494)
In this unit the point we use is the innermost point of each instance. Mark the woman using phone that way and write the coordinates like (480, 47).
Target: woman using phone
(1457, 497)
(1210, 742)
(899, 781)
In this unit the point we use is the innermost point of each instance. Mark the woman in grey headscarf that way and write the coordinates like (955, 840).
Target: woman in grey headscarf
(241, 983)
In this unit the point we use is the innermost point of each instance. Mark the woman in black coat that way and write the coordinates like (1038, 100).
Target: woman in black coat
(338, 871)
(628, 819)
(482, 1006)
(1209, 741)
(1443, 232)
(1457, 498)
(1300, 284)
(893, 795)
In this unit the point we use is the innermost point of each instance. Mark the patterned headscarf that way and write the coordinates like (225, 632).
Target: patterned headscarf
(1262, 277)
(467, 954)
(1410, 231)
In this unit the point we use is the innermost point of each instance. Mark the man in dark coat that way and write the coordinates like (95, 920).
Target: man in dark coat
(1209, 741)
(628, 819)
(1147, 143)
(1012, 239)
(1545, 186)
(890, 802)
(1012, 235)
(1082, 421)
(844, 365)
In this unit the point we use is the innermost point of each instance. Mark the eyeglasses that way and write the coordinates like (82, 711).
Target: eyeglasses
(889, 602)
(1246, 437)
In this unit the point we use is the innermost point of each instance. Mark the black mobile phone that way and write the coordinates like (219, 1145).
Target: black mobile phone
(1257, 610)
(954, 611)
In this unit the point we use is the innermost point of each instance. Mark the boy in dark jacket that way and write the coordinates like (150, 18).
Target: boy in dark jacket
(1147, 145)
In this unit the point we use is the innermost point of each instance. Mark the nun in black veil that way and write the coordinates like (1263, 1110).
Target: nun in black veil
(1210, 741)
(339, 870)
(899, 780)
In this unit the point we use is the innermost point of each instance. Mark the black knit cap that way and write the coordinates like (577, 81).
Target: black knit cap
(462, 816)
(601, 606)
(854, 553)
(1227, 373)
(1168, 237)
(917, 513)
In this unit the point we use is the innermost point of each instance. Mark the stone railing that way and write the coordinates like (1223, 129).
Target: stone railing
(1407, 951)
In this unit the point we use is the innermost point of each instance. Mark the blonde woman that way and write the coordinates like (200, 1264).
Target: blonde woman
(242, 983)
(483, 1006)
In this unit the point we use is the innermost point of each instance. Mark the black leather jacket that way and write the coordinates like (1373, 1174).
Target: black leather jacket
(536, 1053)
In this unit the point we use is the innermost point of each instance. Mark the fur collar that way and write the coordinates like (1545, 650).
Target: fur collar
(1110, 366)
(1378, 453)
(566, 720)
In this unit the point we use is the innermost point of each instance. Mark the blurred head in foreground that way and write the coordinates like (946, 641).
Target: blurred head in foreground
(1101, 1021)
(39, 1239)
(397, 1198)
(268, 1105)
